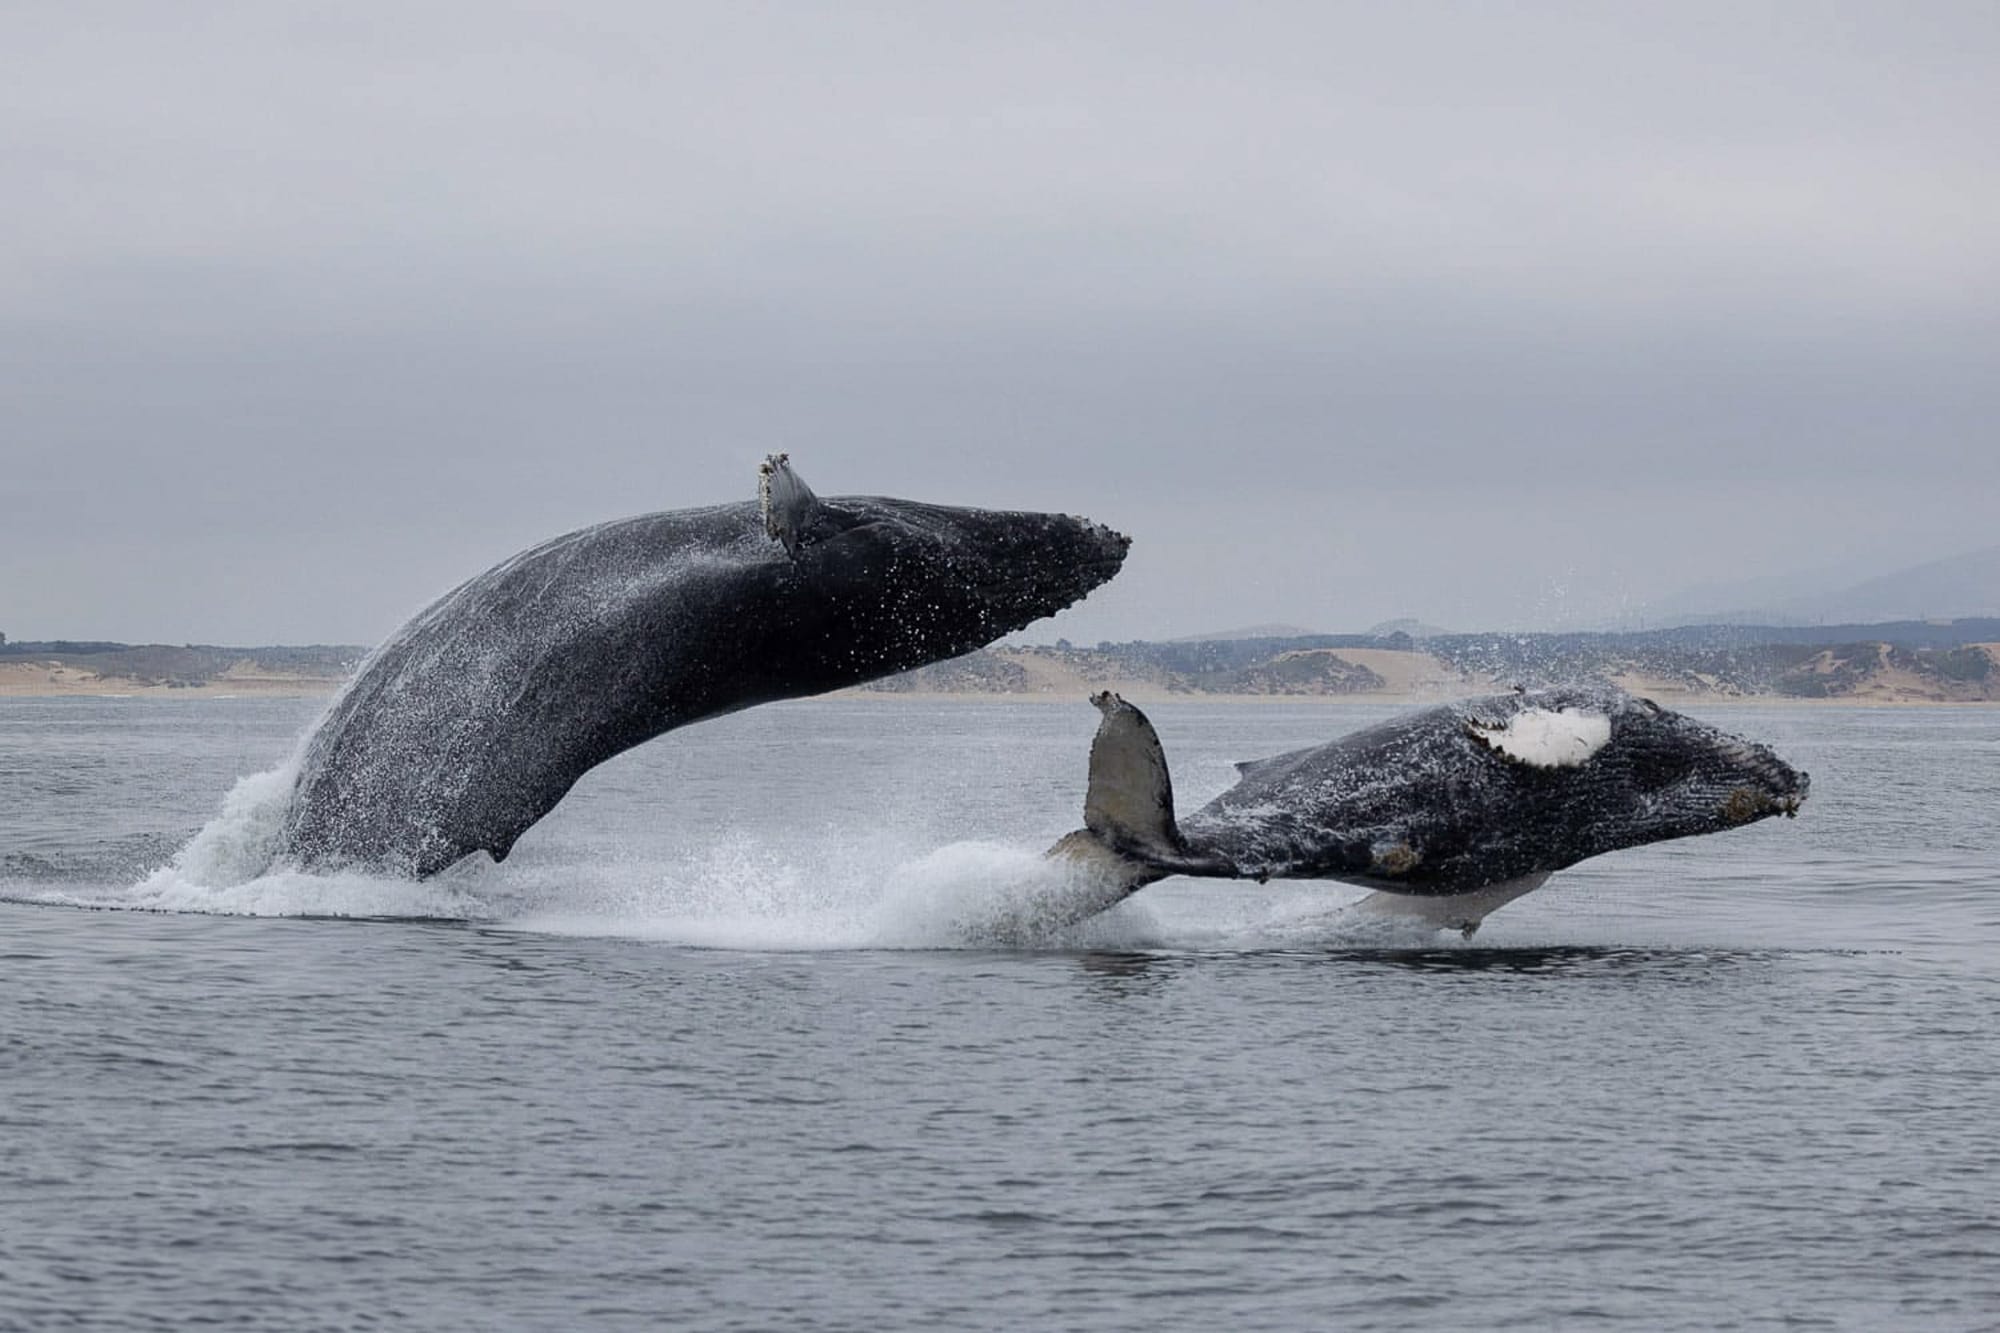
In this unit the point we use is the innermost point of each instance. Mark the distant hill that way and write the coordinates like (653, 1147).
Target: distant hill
(1961, 587)
(1958, 587)
(1900, 633)
(1415, 629)
(1904, 661)
(1275, 631)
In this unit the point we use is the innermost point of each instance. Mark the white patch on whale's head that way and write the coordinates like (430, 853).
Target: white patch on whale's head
(1544, 738)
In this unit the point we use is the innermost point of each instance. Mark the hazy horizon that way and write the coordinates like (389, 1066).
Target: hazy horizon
(1492, 319)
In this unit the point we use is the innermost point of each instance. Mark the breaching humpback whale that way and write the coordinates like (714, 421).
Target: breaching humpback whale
(475, 718)
(1449, 812)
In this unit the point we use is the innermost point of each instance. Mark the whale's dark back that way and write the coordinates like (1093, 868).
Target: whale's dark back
(478, 715)
(474, 719)
(1421, 805)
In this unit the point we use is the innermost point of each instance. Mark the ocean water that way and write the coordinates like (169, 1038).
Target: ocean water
(763, 1028)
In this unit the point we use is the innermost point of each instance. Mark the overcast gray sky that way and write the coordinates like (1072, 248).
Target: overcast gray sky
(1491, 314)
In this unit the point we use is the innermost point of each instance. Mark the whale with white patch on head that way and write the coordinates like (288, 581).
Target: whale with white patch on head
(1449, 812)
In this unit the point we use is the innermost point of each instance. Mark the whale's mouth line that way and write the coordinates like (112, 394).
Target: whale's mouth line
(1074, 580)
(1022, 590)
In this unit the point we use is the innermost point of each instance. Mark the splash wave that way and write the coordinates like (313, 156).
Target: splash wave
(832, 890)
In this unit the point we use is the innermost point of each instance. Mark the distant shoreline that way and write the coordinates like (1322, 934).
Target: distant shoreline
(1151, 699)
(40, 681)
(1915, 663)
(82, 686)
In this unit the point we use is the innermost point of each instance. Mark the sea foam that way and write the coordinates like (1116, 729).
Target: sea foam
(809, 889)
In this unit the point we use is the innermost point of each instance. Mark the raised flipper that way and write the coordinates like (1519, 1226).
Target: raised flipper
(790, 507)
(1461, 912)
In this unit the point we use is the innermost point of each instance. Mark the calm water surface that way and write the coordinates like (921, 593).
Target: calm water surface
(729, 1042)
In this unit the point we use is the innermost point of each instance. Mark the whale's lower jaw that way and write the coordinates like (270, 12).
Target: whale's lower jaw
(1462, 912)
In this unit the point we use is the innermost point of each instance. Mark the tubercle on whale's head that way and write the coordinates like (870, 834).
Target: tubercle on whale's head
(903, 583)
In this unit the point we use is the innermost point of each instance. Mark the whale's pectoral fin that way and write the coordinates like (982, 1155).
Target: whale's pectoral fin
(1130, 800)
(790, 507)
(1461, 912)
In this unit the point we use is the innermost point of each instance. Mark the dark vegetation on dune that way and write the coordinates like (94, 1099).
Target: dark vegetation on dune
(1942, 660)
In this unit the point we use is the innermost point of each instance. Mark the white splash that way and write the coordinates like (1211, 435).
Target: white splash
(240, 843)
(833, 889)
(229, 869)
(740, 895)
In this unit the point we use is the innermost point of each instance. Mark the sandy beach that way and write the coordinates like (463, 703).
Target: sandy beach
(24, 679)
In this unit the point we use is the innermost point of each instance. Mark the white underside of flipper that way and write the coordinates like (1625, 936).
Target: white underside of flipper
(1461, 912)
